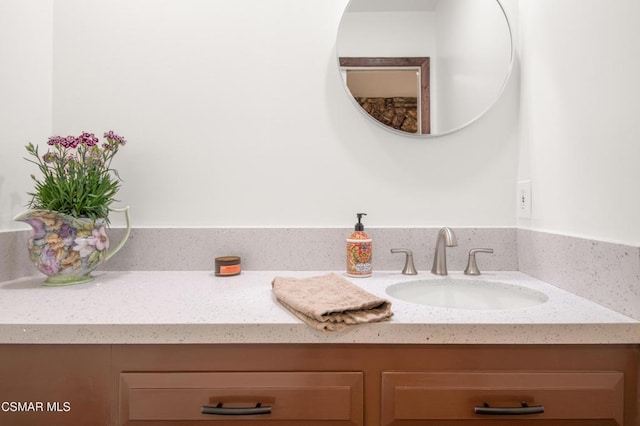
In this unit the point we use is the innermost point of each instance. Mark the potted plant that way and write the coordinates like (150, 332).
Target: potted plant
(69, 208)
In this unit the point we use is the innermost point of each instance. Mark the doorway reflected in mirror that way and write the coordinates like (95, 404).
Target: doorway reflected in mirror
(391, 89)
(468, 44)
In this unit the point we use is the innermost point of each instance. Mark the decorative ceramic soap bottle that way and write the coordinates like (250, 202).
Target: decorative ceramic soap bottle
(359, 251)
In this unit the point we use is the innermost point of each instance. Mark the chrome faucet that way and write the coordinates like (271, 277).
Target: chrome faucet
(446, 238)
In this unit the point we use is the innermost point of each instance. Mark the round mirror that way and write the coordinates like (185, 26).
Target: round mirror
(424, 67)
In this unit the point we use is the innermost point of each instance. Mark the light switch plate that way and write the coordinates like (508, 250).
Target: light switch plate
(524, 198)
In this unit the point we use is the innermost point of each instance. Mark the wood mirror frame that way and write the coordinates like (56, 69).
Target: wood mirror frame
(413, 62)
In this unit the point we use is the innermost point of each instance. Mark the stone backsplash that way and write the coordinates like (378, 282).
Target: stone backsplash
(164, 249)
(606, 273)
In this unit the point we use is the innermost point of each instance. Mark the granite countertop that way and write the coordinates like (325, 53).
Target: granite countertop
(198, 307)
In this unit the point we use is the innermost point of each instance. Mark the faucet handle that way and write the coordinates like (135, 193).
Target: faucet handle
(409, 269)
(472, 266)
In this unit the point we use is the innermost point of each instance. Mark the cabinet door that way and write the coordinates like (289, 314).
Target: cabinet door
(277, 398)
(483, 397)
(54, 385)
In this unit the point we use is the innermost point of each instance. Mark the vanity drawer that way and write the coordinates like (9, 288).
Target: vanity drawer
(409, 397)
(314, 398)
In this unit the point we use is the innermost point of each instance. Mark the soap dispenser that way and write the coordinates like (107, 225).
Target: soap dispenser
(359, 251)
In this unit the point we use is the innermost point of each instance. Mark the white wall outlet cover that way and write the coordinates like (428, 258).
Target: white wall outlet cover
(524, 199)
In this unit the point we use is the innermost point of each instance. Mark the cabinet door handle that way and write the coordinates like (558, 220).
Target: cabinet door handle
(236, 411)
(509, 411)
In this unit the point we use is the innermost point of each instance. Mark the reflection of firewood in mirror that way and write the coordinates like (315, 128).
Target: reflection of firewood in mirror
(399, 113)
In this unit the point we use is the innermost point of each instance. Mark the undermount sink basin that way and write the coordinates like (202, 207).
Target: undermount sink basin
(466, 294)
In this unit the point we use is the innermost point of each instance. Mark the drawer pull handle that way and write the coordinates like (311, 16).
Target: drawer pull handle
(236, 411)
(509, 411)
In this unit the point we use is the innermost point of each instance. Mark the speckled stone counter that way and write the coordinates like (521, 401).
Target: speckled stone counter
(197, 307)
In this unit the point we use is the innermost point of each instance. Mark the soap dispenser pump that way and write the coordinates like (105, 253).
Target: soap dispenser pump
(359, 251)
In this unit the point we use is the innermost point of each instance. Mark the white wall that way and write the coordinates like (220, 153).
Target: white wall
(387, 34)
(25, 95)
(580, 142)
(473, 56)
(236, 115)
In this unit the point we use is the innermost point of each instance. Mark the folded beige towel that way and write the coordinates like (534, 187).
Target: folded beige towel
(329, 302)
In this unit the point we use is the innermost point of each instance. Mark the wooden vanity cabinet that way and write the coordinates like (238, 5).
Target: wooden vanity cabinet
(379, 385)
(319, 384)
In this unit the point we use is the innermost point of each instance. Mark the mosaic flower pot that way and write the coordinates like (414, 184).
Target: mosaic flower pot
(66, 249)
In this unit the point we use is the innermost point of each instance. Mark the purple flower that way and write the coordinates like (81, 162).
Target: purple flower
(112, 137)
(38, 228)
(66, 230)
(83, 246)
(55, 140)
(48, 264)
(99, 239)
(69, 142)
(88, 139)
